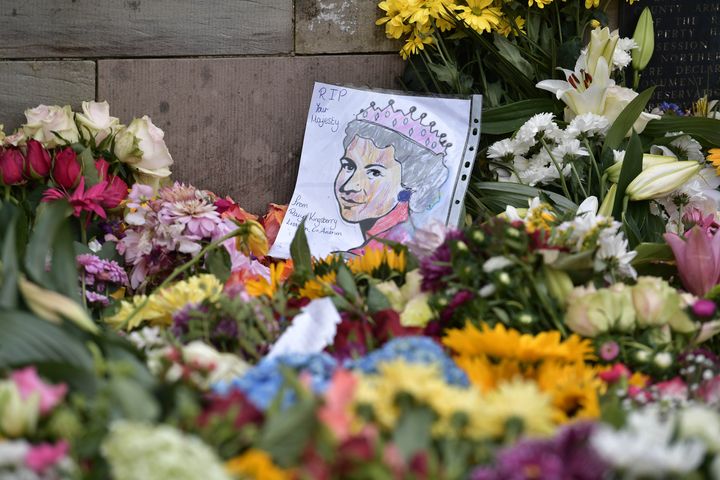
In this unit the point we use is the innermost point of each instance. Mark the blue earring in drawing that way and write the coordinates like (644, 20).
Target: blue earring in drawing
(404, 195)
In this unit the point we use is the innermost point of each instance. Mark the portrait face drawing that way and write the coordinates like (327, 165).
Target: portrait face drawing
(368, 183)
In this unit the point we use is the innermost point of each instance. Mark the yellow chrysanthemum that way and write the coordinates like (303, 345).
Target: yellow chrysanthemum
(260, 285)
(162, 304)
(714, 157)
(500, 343)
(394, 19)
(539, 3)
(479, 15)
(522, 400)
(507, 27)
(592, 4)
(320, 286)
(375, 259)
(255, 465)
(415, 42)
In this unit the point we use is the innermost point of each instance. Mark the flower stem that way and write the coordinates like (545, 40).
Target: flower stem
(557, 167)
(179, 271)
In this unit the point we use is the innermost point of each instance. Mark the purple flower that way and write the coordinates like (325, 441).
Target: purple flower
(436, 267)
(704, 308)
(98, 274)
(565, 457)
(609, 350)
(458, 300)
(226, 328)
(698, 259)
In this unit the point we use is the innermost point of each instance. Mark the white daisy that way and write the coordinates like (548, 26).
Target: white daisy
(683, 148)
(613, 256)
(569, 150)
(540, 169)
(504, 150)
(539, 125)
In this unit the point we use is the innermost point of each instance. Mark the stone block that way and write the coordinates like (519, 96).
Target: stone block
(28, 84)
(235, 125)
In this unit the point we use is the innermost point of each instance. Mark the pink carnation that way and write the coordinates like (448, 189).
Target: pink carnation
(28, 382)
(45, 455)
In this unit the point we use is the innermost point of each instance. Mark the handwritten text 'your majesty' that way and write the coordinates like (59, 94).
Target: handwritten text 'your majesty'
(319, 117)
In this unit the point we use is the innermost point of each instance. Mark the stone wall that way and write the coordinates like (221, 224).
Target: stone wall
(228, 80)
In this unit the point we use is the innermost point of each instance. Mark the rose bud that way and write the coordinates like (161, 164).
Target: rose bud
(116, 192)
(102, 167)
(38, 160)
(12, 165)
(66, 171)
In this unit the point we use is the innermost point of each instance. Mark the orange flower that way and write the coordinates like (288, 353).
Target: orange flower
(714, 157)
(272, 220)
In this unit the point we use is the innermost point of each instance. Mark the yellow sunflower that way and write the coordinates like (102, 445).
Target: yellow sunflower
(260, 285)
(374, 259)
(499, 343)
(320, 286)
(573, 388)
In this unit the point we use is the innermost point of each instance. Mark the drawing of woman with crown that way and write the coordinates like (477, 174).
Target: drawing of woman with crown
(393, 166)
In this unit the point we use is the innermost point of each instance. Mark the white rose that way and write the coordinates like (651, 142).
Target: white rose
(155, 155)
(96, 118)
(43, 120)
(127, 148)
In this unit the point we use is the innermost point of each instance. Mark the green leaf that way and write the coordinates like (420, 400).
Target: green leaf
(63, 265)
(652, 253)
(512, 54)
(300, 251)
(627, 118)
(704, 130)
(632, 167)
(412, 432)
(508, 118)
(88, 168)
(27, 340)
(218, 263)
(49, 220)
(9, 270)
(134, 401)
(376, 301)
(346, 281)
(498, 195)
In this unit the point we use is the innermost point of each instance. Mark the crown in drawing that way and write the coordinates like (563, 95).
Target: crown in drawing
(407, 126)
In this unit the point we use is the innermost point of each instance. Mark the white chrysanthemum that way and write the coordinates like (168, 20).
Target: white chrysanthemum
(613, 256)
(703, 423)
(135, 450)
(588, 125)
(577, 232)
(683, 148)
(504, 150)
(496, 263)
(622, 56)
(540, 169)
(645, 447)
(147, 338)
(569, 150)
(529, 133)
(699, 194)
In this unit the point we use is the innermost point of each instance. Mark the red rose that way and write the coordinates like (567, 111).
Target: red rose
(116, 192)
(66, 171)
(12, 165)
(38, 160)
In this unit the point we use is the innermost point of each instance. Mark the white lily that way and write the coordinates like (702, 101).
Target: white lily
(660, 180)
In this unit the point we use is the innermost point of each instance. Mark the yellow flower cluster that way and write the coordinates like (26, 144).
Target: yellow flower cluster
(493, 356)
(714, 158)
(159, 307)
(260, 286)
(460, 412)
(419, 20)
(255, 465)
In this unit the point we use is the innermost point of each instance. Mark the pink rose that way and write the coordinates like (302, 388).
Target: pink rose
(28, 383)
(45, 455)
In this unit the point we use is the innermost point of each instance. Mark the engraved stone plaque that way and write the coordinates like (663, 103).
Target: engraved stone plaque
(686, 63)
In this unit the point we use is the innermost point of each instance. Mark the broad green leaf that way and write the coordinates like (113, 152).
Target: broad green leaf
(625, 121)
(49, 220)
(652, 253)
(88, 168)
(632, 167)
(376, 301)
(508, 118)
(63, 267)
(28, 340)
(704, 130)
(300, 251)
(346, 281)
(133, 401)
(412, 432)
(497, 195)
(9, 268)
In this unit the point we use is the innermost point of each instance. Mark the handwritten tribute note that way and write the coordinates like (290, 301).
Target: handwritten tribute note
(377, 166)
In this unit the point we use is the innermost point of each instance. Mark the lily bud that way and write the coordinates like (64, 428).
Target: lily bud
(644, 37)
(53, 306)
(602, 45)
(608, 202)
(613, 172)
(558, 284)
(38, 160)
(660, 180)
(18, 416)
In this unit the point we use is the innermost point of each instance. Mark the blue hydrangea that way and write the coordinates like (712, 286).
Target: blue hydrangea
(262, 383)
(673, 108)
(412, 350)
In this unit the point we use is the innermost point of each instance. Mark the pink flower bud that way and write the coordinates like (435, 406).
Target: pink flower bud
(38, 160)
(116, 192)
(66, 171)
(12, 165)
